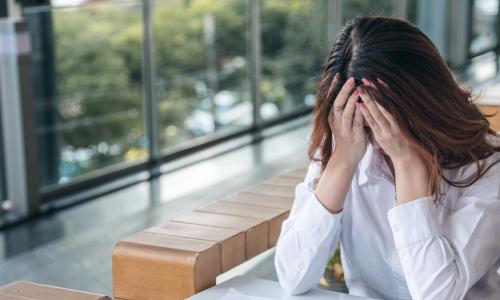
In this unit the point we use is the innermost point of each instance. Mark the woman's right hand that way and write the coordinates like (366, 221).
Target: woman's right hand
(346, 123)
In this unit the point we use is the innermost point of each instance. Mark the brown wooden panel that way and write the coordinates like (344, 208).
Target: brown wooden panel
(272, 215)
(261, 200)
(494, 120)
(157, 266)
(28, 290)
(298, 173)
(4, 296)
(232, 241)
(242, 209)
(256, 230)
(272, 190)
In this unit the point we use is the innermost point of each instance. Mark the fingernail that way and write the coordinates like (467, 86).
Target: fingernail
(350, 82)
(361, 91)
(365, 81)
(336, 77)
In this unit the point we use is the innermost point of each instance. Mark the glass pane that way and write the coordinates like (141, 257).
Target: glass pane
(294, 47)
(359, 8)
(201, 67)
(87, 69)
(484, 26)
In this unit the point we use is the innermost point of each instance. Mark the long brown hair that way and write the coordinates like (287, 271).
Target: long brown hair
(433, 112)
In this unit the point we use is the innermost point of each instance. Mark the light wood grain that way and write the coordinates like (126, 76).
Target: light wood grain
(156, 266)
(232, 241)
(256, 229)
(261, 200)
(274, 216)
(494, 120)
(23, 290)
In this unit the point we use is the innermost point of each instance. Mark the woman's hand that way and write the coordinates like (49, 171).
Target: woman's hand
(384, 128)
(346, 124)
(412, 179)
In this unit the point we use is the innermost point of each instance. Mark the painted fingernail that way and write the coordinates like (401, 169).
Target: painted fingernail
(350, 82)
(365, 81)
(361, 91)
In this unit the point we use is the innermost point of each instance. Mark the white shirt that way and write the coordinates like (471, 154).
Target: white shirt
(416, 250)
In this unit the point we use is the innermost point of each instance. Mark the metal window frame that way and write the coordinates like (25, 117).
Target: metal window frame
(495, 48)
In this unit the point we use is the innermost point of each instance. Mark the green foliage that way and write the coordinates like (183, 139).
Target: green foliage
(99, 67)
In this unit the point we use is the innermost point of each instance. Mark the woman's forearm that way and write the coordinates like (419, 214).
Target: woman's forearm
(334, 184)
(412, 180)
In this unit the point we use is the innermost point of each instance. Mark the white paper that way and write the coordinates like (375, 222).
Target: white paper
(234, 294)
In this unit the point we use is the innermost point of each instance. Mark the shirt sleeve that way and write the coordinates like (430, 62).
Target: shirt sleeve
(443, 260)
(307, 239)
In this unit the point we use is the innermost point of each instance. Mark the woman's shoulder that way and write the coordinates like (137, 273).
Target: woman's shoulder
(488, 185)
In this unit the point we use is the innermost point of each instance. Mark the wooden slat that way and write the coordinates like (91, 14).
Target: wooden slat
(232, 241)
(23, 290)
(274, 216)
(272, 190)
(256, 230)
(156, 266)
(298, 173)
(494, 120)
(261, 200)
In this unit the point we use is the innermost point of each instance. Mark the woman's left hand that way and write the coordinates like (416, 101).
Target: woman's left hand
(385, 128)
(412, 178)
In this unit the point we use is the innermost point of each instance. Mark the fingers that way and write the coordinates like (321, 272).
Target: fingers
(338, 105)
(374, 112)
(384, 111)
(386, 115)
(369, 118)
(358, 122)
(382, 82)
(347, 114)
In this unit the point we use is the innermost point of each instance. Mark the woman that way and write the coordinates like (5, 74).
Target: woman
(404, 173)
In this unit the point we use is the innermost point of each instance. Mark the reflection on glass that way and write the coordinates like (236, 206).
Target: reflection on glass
(88, 88)
(359, 8)
(484, 26)
(201, 68)
(294, 47)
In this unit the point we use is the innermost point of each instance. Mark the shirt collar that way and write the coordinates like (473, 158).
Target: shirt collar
(373, 164)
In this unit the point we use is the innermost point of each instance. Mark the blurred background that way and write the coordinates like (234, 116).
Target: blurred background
(116, 115)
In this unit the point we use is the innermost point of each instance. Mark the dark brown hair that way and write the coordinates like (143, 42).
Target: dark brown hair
(433, 112)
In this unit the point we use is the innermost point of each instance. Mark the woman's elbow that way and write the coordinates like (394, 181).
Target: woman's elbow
(290, 279)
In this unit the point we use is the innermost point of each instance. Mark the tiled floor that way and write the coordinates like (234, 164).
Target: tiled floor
(72, 248)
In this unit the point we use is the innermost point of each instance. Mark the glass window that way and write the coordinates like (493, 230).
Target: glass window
(87, 78)
(201, 67)
(294, 48)
(484, 26)
(359, 8)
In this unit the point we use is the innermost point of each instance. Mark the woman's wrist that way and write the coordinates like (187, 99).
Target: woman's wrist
(342, 164)
(412, 179)
(334, 183)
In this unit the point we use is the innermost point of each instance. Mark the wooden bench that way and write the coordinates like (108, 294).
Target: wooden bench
(183, 256)
(23, 290)
(494, 120)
